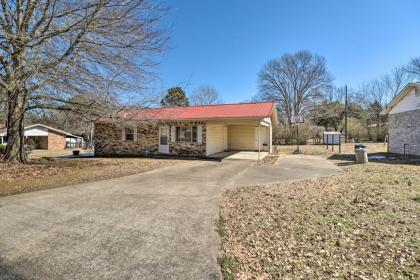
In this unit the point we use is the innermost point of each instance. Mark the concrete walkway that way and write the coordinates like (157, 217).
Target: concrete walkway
(287, 168)
(239, 155)
(156, 225)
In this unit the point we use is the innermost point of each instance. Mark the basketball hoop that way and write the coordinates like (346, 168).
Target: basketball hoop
(297, 119)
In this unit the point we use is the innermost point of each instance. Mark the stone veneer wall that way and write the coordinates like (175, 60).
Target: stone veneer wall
(404, 128)
(108, 141)
(188, 148)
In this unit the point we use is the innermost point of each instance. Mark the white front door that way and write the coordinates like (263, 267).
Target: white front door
(164, 139)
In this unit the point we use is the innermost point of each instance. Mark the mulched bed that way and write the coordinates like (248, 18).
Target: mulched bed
(362, 224)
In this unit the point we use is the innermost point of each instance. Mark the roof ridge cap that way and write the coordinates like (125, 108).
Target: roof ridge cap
(210, 105)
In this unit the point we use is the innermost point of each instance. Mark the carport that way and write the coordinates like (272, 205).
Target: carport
(37, 142)
(239, 135)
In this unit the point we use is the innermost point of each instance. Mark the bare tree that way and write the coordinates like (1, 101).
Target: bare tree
(205, 95)
(294, 81)
(414, 67)
(52, 51)
(385, 88)
(376, 95)
(396, 80)
(375, 91)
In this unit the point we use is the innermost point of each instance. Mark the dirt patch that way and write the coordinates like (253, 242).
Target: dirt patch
(362, 224)
(45, 173)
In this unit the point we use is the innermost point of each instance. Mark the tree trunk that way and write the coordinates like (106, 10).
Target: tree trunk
(92, 136)
(15, 148)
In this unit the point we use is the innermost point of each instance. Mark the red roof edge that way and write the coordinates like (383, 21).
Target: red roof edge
(216, 111)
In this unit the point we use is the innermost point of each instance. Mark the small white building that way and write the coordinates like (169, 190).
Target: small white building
(43, 137)
(404, 121)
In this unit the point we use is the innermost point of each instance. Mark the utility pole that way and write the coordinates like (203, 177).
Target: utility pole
(345, 116)
(297, 138)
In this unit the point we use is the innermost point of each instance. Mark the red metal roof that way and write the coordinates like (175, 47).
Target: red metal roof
(240, 110)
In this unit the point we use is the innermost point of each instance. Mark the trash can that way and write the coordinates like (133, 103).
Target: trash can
(357, 146)
(361, 155)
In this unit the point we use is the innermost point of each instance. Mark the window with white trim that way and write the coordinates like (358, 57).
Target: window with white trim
(129, 134)
(186, 134)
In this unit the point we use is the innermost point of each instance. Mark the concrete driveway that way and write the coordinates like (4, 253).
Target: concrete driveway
(154, 225)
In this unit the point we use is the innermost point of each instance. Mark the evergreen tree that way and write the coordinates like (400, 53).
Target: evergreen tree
(175, 97)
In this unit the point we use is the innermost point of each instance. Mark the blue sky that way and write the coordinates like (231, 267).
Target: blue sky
(225, 43)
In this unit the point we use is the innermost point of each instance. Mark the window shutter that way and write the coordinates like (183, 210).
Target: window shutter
(173, 133)
(199, 134)
(135, 133)
(123, 134)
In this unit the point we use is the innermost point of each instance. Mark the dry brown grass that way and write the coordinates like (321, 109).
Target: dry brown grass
(60, 153)
(46, 173)
(362, 224)
(323, 151)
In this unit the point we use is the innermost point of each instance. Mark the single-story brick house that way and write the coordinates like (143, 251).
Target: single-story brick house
(42, 137)
(404, 121)
(197, 131)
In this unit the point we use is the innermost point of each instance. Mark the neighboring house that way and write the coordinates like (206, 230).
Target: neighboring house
(404, 121)
(197, 131)
(43, 137)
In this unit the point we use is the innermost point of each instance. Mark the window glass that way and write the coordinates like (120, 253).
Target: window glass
(186, 134)
(129, 134)
(194, 134)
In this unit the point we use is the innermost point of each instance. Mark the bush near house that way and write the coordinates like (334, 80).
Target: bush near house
(287, 135)
(2, 149)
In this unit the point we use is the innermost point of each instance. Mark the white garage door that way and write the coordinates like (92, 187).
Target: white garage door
(215, 139)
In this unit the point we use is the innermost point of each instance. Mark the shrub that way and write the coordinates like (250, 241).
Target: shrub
(356, 130)
(2, 148)
(287, 135)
